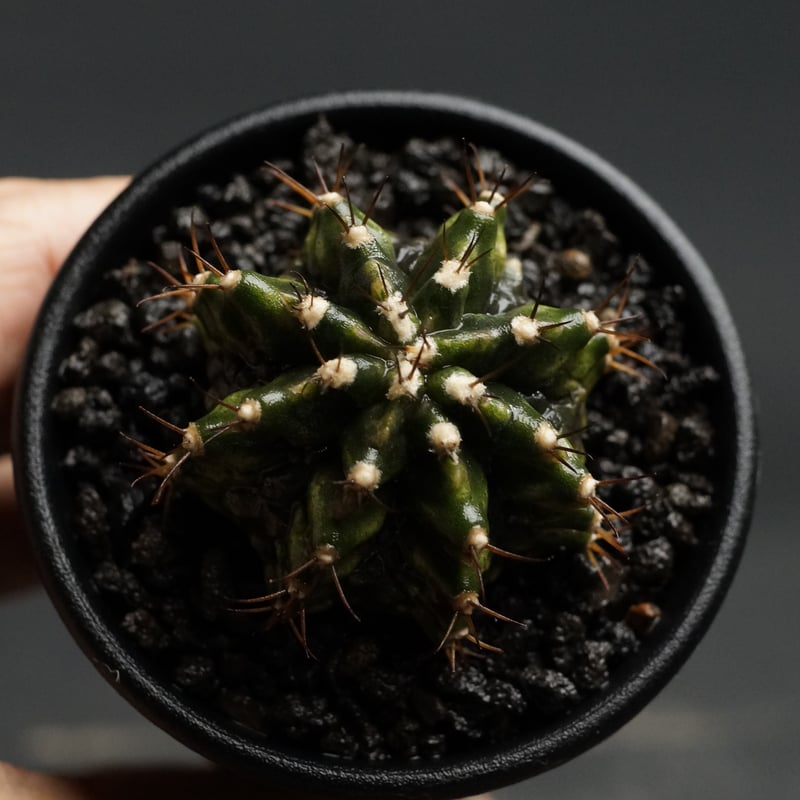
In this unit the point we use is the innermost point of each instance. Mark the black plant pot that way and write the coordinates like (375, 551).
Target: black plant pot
(384, 119)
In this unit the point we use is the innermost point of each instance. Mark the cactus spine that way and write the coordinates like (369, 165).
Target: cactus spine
(416, 404)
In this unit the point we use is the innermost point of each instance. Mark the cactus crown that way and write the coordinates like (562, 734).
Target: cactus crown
(421, 398)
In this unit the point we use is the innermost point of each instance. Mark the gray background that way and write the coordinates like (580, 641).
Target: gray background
(698, 105)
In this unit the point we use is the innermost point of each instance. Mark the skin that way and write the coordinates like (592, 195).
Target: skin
(40, 221)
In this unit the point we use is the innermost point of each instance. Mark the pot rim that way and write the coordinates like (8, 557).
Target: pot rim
(237, 748)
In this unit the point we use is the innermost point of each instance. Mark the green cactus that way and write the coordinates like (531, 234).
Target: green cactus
(411, 404)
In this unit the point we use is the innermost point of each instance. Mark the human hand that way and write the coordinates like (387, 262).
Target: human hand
(40, 221)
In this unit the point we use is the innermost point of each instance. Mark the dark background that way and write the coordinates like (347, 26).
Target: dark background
(700, 106)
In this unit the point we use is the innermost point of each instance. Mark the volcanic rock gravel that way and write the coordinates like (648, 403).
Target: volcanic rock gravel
(375, 690)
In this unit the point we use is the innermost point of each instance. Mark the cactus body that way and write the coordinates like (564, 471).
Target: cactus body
(416, 406)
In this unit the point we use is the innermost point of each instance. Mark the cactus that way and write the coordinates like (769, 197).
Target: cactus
(420, 399)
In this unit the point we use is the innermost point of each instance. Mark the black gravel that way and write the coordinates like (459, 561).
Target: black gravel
(375, 690)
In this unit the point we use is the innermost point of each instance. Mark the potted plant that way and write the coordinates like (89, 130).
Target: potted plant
(407, 536)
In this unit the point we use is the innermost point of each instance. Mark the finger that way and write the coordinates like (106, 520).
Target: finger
(133, 784)
(154, 784)
(17, 569)
(40, 222)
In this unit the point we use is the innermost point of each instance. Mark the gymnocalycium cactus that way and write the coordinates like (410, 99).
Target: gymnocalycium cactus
(425, 399)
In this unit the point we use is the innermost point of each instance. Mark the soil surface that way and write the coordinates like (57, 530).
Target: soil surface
(375, 690)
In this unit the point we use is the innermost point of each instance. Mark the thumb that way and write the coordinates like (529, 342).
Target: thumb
(40, 222)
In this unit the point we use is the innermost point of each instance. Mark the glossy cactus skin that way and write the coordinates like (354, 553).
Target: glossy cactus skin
(414, 402)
